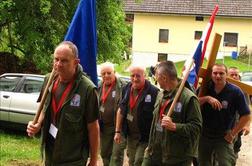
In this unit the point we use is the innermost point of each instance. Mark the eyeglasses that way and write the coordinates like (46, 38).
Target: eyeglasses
(104, 73)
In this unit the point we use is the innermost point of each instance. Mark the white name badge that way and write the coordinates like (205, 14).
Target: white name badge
(159, 127)
(102, 109)
(53, 130)
(148, 99)
(130, 117)
(114, 94)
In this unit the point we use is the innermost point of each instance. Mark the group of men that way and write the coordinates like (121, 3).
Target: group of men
(77, 117)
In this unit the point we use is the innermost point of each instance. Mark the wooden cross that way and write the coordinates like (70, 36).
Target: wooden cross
(205, 73)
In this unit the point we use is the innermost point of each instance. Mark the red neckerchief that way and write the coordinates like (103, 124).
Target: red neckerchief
(104, 93)
(162, 108)
(57, 106)
(133, 99)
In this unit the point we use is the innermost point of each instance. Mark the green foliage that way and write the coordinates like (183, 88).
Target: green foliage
(32, 29)
(113, 33)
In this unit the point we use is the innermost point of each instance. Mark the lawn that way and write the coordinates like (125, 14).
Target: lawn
(228, 61)
(17, 149)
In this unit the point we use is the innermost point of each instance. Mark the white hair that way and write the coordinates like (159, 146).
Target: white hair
(107, 65)
(132, 67)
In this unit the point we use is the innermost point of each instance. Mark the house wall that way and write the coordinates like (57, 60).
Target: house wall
(145, 44)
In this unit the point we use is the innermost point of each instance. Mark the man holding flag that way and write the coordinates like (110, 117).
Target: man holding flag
(173, 139)
(69, 119)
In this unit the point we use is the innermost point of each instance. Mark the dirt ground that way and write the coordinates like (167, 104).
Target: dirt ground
(245, 155)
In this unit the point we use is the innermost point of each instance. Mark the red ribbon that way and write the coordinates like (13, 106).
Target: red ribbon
(106, 93)
(133, 99)
(162, 108)
(57, 106)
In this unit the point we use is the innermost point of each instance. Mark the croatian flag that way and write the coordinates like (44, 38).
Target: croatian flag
(199, 53)
(82, 32)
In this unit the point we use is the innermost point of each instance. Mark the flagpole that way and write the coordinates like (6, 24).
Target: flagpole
(180, 88)
(45, 93)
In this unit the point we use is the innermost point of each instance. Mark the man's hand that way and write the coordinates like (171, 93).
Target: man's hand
(229, 137)
(117, 138)
(214, 103)
(92, 163)
(246, 130)
(168, 124)
(32, 129)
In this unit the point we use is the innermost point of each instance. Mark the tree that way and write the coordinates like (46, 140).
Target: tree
(113, 32)
(31, 29)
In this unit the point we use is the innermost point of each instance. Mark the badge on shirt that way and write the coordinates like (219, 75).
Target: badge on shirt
(147, 98)
(113, 94)
(102, 109)
(224, 104)
(53, 130)
(75, 100)
(178, 107)
(159, 128)
(129, 117)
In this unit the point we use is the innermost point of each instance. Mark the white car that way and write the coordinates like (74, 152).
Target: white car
(18, 98)
(246, 77)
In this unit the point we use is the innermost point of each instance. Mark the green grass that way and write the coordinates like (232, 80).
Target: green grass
(228, 61)
(121, 68)
(18, 149)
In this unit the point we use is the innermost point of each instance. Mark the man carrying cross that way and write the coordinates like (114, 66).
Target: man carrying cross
(218, 107)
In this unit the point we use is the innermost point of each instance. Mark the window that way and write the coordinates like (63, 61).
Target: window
(199, 18)
(129, 18)
(230, 39)
(32, 85)
(197, 35)
(9, 83)
(163, 35)
(162, 57)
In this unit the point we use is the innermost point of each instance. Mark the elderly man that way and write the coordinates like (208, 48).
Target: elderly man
(173, 140)
(110, 93)
(69, 119)
(219, 107)
(134, 115)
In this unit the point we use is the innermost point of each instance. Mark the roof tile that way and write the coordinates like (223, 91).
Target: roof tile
(231, 8)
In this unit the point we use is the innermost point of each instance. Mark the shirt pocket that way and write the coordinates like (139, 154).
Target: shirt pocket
(73, 121)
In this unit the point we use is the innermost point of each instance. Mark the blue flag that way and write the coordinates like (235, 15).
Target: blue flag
(193, 76)
(82, 32)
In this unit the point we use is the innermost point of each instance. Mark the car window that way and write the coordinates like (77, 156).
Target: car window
(8, 83)
(246, 78)
(32, 85)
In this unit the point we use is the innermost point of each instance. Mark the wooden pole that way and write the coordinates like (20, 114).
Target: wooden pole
(211, 61)
(205, 73)
(213, 53)
(180, 89)
(45, 93)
